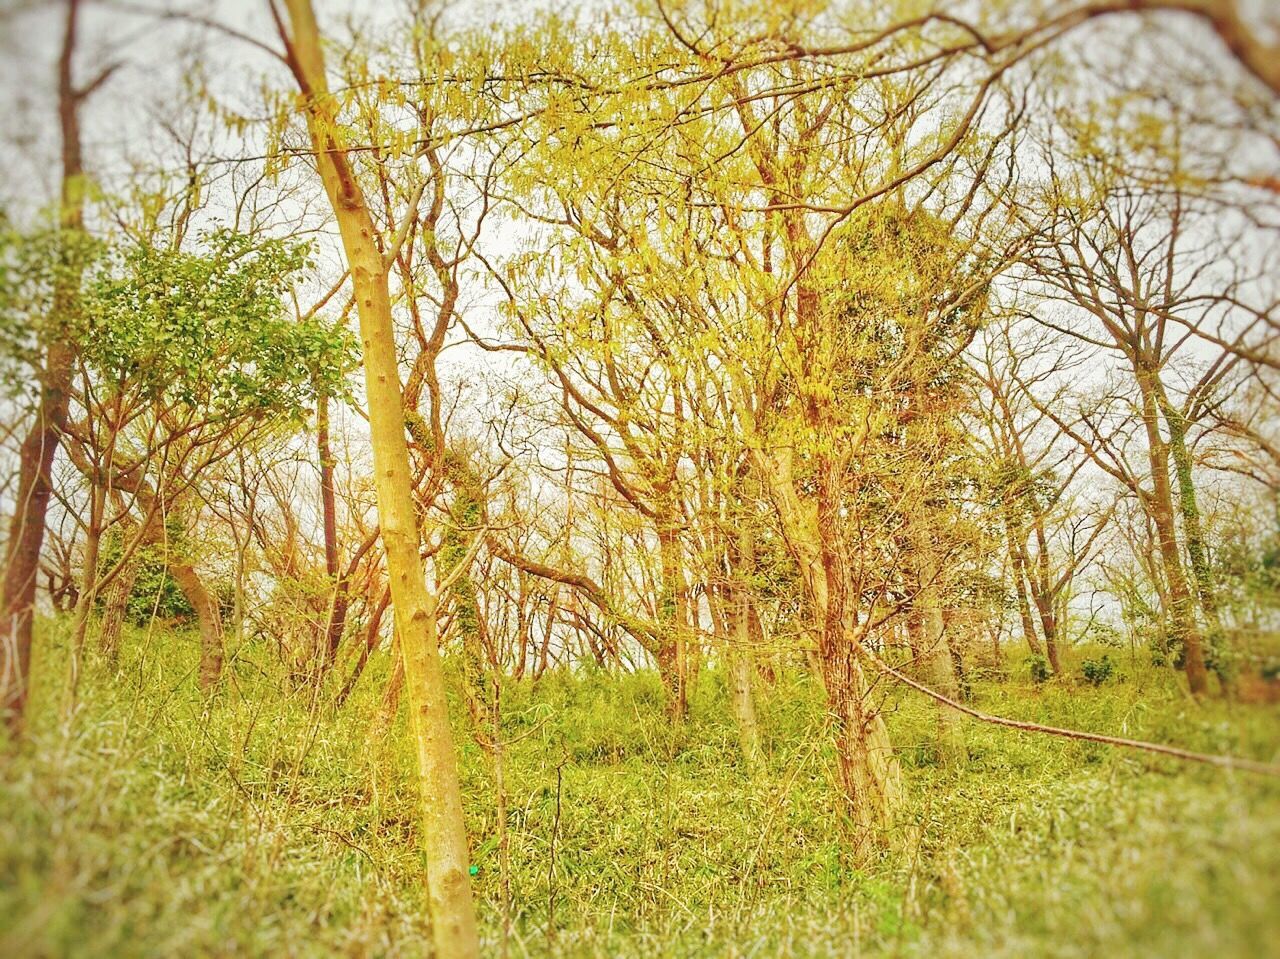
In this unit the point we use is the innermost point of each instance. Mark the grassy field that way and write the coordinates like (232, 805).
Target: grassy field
(154, 824)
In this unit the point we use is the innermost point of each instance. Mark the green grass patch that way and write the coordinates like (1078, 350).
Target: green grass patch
(265, 824)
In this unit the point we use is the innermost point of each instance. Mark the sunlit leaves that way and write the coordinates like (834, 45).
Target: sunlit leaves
(40, 293)
(210, 329)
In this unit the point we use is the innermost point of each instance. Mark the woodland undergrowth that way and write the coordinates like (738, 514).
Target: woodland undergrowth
(154, 822)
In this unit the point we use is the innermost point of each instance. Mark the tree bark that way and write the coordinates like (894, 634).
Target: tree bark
(1020, 591)
(88, 592)
(739, 658)
(340, 597)
(115, 608)
(869, 775)
(444, 833)
(208, 618)
(35, 460)
(1192, 526)
(673, 615)
(1159, 503)
(934, 661)
(1037, 580)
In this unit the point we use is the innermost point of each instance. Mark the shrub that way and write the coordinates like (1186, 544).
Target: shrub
(1039, 667)
(1097, 671)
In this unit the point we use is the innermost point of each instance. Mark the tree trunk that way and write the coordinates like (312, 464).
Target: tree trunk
(544, 649)
(1192, 527)
(868, 770)
(115, 608)
(765, 668)
(956, 649)
(339, 598)
(208, 618)
(1020, 590)
(1159, 503)
(869, 778)
(366, 649)
(934, 662)
(88, 593)
(738, 648)
(740, 673)
(673, 615)
(523, 637)
(443, 835)
(35, 458)
(1044, 605)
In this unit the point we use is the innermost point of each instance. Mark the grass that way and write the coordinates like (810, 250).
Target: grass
(156, 824)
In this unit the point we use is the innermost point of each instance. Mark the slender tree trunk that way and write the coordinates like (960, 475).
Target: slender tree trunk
(88, 592)
(544, 650)
(465, 519)
(1192, 527)
(115, 609)
(36, 455)
(1020, 591)
(1044, 607)
(366, 650)
(738, 649)
(869, 775)
(444, 835)
(523, 638)
(1159, 503)
(740, 675)
(956, 650)
(336, 622)
(765, 668)
(934, 662)
(208, 618)
(673, 615)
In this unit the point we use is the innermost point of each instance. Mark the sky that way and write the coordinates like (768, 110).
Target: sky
(121, 128)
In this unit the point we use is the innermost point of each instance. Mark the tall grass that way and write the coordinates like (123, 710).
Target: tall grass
(154, 823)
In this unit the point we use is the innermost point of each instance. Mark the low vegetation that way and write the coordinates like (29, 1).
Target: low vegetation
(159, 823)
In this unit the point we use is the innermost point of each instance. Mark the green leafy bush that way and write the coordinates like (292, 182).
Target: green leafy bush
(1097, 671)
(1039, 668)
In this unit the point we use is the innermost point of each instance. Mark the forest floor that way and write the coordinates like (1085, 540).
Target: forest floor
(266, 825)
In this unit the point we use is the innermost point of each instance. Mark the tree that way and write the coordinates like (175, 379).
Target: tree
(27, 525)
(186, 358)
(444, 834)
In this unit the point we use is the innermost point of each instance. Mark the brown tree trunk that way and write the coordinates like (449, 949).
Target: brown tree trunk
(868, 770)
(1018, 567)
(869, 777)
(523, 638)
(366, 650)
(115, 608)
(933, 657)
(1044, 604)
(1192, 526)
(673, 615)
(88, 593)
(208, 618)
(741, 671)
(544, 649)
(35, 458)
(339, 598)
(740, 660)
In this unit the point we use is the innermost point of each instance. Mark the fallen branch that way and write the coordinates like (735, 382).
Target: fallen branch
(1211, 759)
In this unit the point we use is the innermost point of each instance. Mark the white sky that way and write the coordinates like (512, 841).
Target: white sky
(120, 122)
